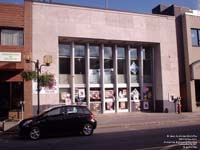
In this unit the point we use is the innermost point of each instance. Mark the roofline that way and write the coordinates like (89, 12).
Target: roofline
(104, 9)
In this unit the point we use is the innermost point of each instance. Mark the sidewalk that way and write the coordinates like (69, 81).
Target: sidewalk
(138, 119)
(131, 119)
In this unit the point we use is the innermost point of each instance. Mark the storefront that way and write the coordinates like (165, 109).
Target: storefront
(107, 78)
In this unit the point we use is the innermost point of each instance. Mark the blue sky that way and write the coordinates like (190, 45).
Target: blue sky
(142, 6)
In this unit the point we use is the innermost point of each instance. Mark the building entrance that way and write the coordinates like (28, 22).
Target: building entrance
(11, 93)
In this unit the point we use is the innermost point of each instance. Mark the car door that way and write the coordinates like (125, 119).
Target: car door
(54, 120)
(84, 115)
(71, 118)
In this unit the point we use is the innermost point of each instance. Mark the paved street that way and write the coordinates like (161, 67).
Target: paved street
(124, 139)
(124, 131)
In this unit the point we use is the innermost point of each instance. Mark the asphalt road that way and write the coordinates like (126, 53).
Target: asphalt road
(126, 138)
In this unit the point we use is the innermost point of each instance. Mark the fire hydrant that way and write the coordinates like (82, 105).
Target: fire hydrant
(179, 105)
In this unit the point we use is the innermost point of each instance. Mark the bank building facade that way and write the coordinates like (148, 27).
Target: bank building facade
(111, 61)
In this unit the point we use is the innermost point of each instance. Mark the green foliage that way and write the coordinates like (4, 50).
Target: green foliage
(29, 75)
(46, 80)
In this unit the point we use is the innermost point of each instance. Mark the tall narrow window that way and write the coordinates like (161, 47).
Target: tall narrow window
(195, 37)
(134, 65)
(64, 63)
(108, 64)
(121, 62)
(147, 56)
(64, 58)
(94, 64)
(12, 37)
(79, 59)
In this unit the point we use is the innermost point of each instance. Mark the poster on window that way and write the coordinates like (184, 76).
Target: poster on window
(66, 97)
(81, 93)
(135, 95)
(123, 105)
(146, 105)
(96, 107)
(95, 95)
(122, 93)
(109, 106)
(134, 68)
(109, 93)
(147, 92)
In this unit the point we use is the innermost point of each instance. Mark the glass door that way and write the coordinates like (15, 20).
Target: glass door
(11, 94)
(4, 100)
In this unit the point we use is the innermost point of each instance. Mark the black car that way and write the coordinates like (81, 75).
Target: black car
(59, 119)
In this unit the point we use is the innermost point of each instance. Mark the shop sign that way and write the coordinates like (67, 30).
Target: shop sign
(10, 56)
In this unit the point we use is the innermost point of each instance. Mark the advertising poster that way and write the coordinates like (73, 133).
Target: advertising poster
(94, 95)
(65, 96)
(81, 93)
(109, 93)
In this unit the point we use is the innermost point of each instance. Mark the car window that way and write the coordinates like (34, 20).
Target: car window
(83, 110)
(71, 110)
(55, 111)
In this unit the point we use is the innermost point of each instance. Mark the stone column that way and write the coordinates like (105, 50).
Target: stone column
(141, 74)
(116, 79)
(87, 74)
(128, 76)
(102, 77)
(72, 73)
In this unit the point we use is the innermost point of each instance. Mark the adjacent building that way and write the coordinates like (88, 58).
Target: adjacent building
(111, 61)
(187, 32)
(14, 42)
(191, 40)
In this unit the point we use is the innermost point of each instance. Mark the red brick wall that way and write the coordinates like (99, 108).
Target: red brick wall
(28, 50)
(11, 15)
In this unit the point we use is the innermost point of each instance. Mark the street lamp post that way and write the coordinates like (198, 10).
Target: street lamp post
(47, 61)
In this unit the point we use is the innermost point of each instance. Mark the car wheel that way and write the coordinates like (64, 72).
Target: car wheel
(34, 133)
(87, 129)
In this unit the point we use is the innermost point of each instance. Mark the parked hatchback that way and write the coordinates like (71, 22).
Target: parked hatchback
(59, 119)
